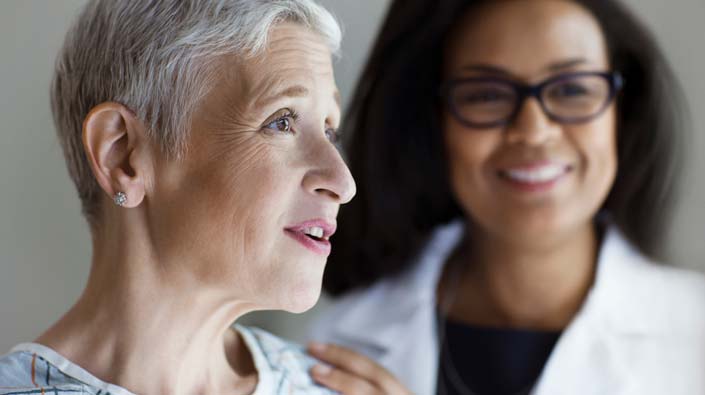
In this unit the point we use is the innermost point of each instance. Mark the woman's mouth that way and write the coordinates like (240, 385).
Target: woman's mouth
(315, 232)
(537, 177)
(314, 235)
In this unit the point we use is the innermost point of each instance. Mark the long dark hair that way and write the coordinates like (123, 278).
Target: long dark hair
(393, 140)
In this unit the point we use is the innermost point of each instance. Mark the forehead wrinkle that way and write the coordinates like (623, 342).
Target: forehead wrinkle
(293, 62)
(275, 75)
(304, 48)
(297, 38)
(272, 88)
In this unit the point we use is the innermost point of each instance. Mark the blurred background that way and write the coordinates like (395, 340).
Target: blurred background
(45, 244)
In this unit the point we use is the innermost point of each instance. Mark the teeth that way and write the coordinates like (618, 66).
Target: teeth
(540, 174)
(314, 231)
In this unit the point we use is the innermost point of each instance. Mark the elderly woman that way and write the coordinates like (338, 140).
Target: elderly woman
(200, 135)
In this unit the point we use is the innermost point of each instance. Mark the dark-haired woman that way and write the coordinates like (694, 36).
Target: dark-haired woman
(515, 163)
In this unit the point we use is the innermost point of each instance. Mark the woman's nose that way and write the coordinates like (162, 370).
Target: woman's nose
(532, 126)
(329, 175)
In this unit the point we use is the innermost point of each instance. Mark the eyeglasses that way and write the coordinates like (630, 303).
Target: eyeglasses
(570, 98)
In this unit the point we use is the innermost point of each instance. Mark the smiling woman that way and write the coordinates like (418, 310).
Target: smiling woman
(517, 162)
(200, 135)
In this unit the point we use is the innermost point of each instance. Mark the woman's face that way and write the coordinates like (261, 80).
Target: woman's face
(533, 179)
(250, 207)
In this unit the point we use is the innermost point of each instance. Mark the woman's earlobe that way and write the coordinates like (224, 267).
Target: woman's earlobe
(111, 137)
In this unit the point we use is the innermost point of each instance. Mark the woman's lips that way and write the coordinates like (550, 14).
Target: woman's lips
(535, 177)
(313, 235)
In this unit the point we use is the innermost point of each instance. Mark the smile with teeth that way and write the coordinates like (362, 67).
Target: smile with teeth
(313, 235)
(536, 175)
(315, 232)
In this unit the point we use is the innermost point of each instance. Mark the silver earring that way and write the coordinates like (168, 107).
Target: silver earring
(120, 199)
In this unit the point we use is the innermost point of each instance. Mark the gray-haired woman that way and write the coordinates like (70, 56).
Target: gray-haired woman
(200, 135)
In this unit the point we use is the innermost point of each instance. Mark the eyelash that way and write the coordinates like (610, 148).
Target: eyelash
(290, 115)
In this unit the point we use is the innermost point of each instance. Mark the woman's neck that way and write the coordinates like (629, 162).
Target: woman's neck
(510, 284)
(137, 329)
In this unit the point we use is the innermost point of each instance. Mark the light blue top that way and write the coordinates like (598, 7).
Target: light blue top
(31, 368)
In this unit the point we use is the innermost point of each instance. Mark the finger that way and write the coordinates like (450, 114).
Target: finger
(346, 359)
(344, 382)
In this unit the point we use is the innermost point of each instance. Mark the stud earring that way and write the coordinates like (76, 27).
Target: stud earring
(120, 199)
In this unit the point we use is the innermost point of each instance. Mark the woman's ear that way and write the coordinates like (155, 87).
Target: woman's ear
(114, 141)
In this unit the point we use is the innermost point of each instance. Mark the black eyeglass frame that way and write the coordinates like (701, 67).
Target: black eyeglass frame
(524, 91)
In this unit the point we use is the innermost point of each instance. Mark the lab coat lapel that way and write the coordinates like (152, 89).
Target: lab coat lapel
(583, 353)
(590, 346)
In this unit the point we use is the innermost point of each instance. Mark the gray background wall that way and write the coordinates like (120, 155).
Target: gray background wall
(44, 244)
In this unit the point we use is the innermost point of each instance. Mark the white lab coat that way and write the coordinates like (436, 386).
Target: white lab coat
(640, 331)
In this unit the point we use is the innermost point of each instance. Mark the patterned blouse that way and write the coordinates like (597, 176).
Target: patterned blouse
(30, 368)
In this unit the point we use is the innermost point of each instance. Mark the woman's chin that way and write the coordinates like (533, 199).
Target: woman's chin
(301, 298)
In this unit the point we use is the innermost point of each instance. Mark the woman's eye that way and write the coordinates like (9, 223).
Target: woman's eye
(570, 90)
(282, 124)
(333, 135)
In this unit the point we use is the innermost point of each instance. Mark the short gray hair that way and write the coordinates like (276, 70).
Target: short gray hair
(153, 57)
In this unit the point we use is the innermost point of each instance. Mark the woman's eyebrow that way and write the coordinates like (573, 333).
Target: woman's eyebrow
(293, 91)
(487, 68)
(290, 91)
(565, 64)
(552, 67)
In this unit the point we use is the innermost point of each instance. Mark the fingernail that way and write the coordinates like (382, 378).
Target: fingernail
(321, 370)
(317, 347)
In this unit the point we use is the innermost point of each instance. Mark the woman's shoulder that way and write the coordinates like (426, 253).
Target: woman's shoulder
(678, 292)
(283, 364)
(24, 372)
(650, 295)
(648, 276)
